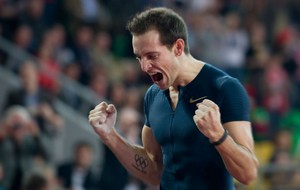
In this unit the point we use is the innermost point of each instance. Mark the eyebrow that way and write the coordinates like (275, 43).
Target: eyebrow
(148, 53)
(136, 55)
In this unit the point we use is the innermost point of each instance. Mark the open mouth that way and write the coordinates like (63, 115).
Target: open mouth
(156, 77)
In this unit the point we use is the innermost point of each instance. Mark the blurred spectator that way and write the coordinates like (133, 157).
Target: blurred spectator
(41, 177)
(101, 49)
(98, 84)
(209, 38)
(281, 177)
(276, 99)
(234, 46)
(131, 73)
(260, 119)
(134, 98)
(35, 99)
(23, 40)
(291, 50)
(101, 55)
(90, 12)
(129, 124)
(99, 81)
(283, 141)
(1, 175)
(23, 37)
(78, 174)
(42, 172)
(81, 46)
(36, 181)
(62, 54)
(117, 94)
(195, 21)
(9, 15)
(257, 58)
(68, 93)
(221, 41)
(20, 147)
(33, 17)
(49, 69)
(53, 12)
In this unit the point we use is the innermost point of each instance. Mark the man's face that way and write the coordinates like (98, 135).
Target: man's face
(156, 59)
(84, 156)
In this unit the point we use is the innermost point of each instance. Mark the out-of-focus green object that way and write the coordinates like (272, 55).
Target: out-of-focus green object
(291, 121)
(260, 119)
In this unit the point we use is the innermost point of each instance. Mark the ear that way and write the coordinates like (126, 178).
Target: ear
(179, 47)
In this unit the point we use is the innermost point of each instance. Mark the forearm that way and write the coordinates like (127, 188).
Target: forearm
(135, 159)
(142, 162)
(239, 161)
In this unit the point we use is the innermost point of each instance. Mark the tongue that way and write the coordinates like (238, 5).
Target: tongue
(157, 77)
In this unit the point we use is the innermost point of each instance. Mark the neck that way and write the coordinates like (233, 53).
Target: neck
(189, 69)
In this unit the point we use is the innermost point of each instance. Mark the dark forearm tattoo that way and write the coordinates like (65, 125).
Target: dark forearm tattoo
(141, 163)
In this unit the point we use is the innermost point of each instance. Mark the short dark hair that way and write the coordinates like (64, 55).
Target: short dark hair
(35, 181)
(82, 144)
(169, 25)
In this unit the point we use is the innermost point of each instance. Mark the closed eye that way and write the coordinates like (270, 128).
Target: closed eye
(152, 56)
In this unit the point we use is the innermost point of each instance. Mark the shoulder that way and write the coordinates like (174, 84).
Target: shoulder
(229, 83)
(152, 94)
(234, 101)
(220, 79)
(152, 91)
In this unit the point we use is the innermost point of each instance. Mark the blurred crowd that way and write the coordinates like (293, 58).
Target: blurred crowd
(257, 42)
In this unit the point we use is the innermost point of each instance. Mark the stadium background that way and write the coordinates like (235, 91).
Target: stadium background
(83, 54)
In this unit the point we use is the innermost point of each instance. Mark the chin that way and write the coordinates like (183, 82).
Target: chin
(162, 87)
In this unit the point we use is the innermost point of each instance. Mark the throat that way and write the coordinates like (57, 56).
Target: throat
(174, 94)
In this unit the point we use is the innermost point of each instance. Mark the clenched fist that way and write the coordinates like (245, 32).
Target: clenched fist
(103, 118)
(207, 119)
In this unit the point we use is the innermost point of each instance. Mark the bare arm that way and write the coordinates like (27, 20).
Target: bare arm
(143, 162)
(237, 151)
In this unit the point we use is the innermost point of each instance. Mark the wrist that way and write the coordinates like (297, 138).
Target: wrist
(110, 138)
(221, 139)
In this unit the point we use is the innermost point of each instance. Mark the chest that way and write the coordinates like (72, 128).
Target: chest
(171, 120)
